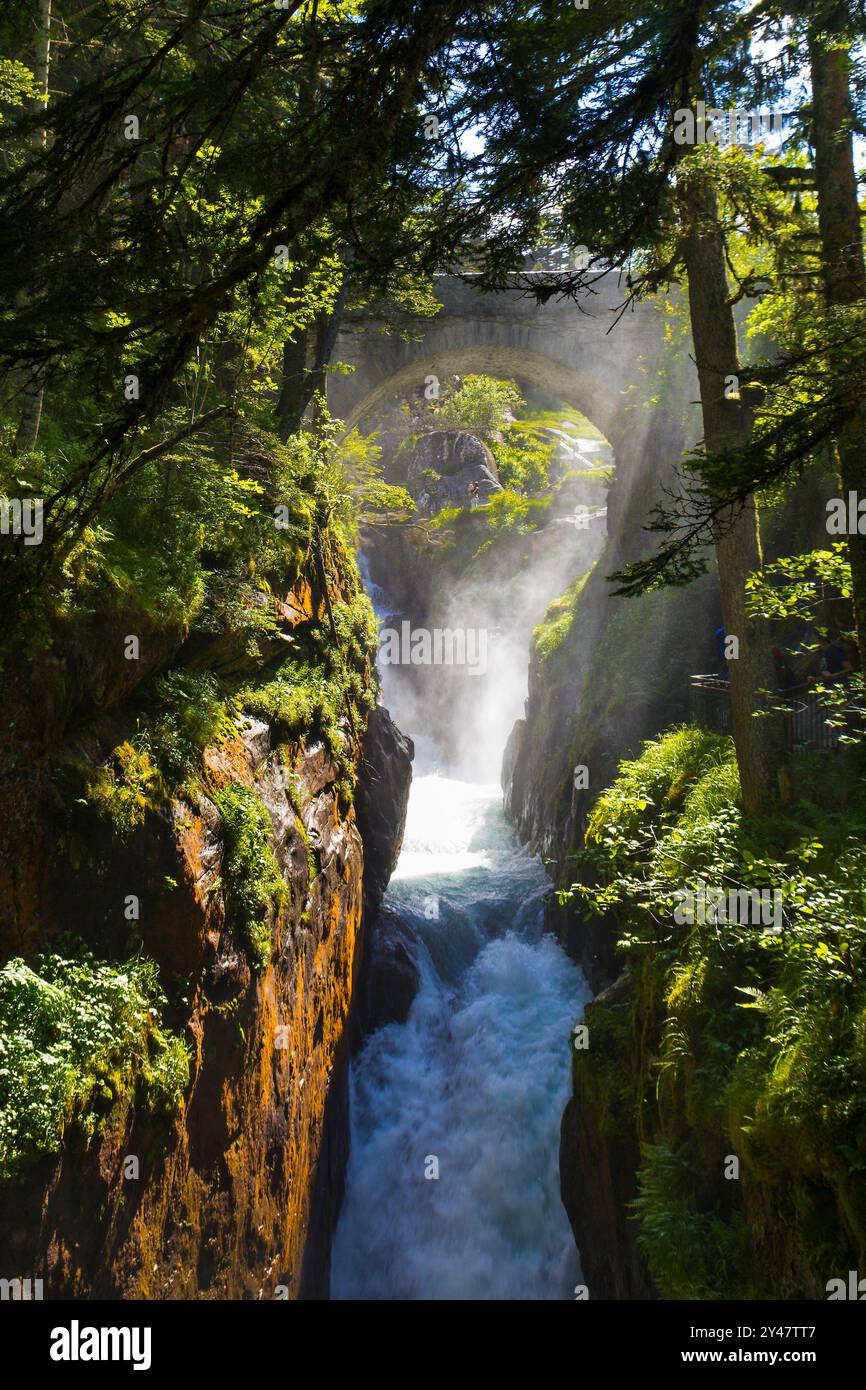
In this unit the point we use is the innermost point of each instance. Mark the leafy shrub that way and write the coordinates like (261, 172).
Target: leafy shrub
(251, 878)
(126, 788)
(76, 1033)
(192, 713)
(692, 1253)
(740, 1041)
(523, 460)
(312, 695)
(557, 621)
(482, 404)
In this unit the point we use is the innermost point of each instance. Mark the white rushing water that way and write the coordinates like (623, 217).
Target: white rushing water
(473, 1083)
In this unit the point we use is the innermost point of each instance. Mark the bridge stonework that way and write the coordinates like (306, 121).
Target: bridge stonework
(577, 352)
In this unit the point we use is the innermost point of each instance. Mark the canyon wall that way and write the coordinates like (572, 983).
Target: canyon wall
(605, 673)
(235, 1195)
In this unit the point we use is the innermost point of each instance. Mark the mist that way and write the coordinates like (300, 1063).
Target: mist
(461, 715)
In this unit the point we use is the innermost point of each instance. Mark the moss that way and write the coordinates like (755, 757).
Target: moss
(180, 713)
(294, 800)
(556, 624)
(601, 1073)
(568, 419)
(125, 789)
(324, 690)
(186, 711)
(251, 878)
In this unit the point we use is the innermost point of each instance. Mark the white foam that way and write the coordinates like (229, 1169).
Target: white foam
(477, 1077)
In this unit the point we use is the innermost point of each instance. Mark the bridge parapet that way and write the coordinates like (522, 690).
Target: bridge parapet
(574, 350)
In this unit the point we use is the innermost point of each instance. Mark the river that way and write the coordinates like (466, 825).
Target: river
(453, 1185)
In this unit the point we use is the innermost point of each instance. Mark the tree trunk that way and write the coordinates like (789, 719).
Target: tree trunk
(842, 264)
(43, 63)
(327, 332)
(759, 742)
(293, 398)
(27, 434)
(300, 381)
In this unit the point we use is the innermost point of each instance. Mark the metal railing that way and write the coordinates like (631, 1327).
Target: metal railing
(710, 703)
(804, 714)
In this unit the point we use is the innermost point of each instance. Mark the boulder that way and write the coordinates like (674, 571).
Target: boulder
(444, 464)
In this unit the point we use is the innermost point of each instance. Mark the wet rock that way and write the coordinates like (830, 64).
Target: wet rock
(239, 1190)
(393, 977)
(513, 795)
(597, 1168)
(382, 800)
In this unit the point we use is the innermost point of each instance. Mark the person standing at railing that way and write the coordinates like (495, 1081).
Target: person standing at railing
(833, 662)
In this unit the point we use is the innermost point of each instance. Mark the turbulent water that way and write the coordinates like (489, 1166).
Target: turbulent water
(473, 1085)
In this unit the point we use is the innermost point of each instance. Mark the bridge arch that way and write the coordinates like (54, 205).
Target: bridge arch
(573, 351)
(518, 364)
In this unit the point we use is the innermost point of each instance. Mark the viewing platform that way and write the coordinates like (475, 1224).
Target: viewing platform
(805, 716)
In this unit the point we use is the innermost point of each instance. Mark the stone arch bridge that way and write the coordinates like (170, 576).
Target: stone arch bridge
(577, 352)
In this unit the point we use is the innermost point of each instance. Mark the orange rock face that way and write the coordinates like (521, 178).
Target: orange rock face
(236, 1195)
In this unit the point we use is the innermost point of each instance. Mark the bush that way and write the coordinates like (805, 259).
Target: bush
(556, 624)
(75, 1034)
(739, 1041)
(126, 788)
(251, 878)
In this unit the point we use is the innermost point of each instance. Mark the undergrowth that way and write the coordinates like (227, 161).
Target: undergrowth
(76, 1034)
(251, 878)
(733, 1041)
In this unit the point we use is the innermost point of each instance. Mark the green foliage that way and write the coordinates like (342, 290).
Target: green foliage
(510, 511)
(193, 712)
(556, 623)
(185, 711)
(800, 588)
(318, 694)
(213, 254)
(76, 1034)
(485, 405)
(193, 541)
(374, 499)
(741, 1041)
(656, 782)
(795, 586)
(567, 420)
(692, 1253)
(301, 700)
(125, 788)
(17, 84)
(251, 879)
(523, 460)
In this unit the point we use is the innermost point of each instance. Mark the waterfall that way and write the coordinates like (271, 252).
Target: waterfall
(453, 1185)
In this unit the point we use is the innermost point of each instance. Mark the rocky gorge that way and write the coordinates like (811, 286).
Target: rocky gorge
(235, 1193)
